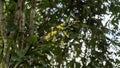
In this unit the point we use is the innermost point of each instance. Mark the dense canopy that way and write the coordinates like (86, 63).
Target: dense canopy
(59, 33)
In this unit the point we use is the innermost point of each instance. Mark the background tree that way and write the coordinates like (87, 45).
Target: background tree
(58, 33)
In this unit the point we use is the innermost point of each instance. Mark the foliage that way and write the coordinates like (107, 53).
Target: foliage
(58, 33)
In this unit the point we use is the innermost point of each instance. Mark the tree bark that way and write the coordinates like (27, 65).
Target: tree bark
(2, 35)
(32, 17)
(20, 22)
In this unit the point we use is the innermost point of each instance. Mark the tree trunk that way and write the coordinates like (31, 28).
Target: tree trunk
(32, 17)
(20, 22)
(2, 35)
